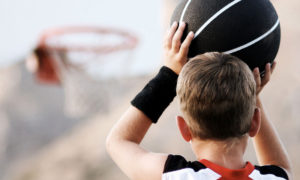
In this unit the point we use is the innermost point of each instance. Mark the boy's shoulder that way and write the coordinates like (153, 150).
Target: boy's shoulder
(177, 167)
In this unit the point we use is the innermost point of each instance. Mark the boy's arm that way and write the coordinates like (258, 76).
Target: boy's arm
(267, 144)
(123, 146)
(123, 141)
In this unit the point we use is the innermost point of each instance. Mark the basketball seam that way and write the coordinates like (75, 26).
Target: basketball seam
(255, 40)
(184, 10)
(215, 16)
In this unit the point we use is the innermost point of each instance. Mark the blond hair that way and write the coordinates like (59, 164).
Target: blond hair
(217, 96)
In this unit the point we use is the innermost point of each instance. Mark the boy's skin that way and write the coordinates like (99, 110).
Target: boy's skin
(123, 142)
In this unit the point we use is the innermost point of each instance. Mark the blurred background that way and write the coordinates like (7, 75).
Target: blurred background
(41, 140)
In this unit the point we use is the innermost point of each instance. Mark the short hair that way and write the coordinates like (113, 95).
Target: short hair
(217, 95)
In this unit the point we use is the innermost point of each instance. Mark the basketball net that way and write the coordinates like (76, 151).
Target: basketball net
(84, 61)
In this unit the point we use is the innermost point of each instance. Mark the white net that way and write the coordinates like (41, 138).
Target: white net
(87, 75)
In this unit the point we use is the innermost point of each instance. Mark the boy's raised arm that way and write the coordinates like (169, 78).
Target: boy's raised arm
(123, 146)
(123, 140)
(268, 147)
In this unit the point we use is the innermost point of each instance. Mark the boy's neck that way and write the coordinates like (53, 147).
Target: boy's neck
(229, 153)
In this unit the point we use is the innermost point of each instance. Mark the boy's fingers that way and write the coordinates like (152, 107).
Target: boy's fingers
(267, 76)
(177, 37)
(170, 34)
(257, 77)
(184, 49)
(273, 67)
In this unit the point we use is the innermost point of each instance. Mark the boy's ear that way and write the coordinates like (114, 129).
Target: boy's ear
(255, 123)
(184, 129)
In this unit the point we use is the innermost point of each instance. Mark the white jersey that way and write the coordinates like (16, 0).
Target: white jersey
(177, 168)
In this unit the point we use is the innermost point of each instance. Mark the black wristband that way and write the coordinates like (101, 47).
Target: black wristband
(157, 94)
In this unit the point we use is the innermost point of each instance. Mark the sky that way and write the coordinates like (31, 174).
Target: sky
(22, 22)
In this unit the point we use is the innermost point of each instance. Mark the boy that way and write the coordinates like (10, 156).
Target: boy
(219, 99)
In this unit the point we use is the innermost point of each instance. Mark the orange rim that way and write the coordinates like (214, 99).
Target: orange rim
(129, 41)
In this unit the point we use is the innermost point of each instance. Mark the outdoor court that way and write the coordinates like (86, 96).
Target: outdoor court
(38, 142)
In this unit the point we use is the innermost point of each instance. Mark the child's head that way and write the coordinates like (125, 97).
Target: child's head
(217, 96)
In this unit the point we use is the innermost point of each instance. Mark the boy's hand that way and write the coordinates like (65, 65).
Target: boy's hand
(175, 53)
(261, 82)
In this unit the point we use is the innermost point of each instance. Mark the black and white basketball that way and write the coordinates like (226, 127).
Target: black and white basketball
(248, 29)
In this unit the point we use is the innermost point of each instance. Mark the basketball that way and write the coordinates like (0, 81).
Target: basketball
(247, 29)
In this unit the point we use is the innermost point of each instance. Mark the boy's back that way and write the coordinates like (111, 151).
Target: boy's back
(220, 108)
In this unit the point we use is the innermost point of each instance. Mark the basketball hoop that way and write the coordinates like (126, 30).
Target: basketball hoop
(82, 60)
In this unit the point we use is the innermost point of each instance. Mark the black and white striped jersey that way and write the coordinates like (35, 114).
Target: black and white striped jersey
(178, 168)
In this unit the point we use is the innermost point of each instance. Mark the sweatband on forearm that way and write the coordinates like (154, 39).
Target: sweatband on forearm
(157, 94)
